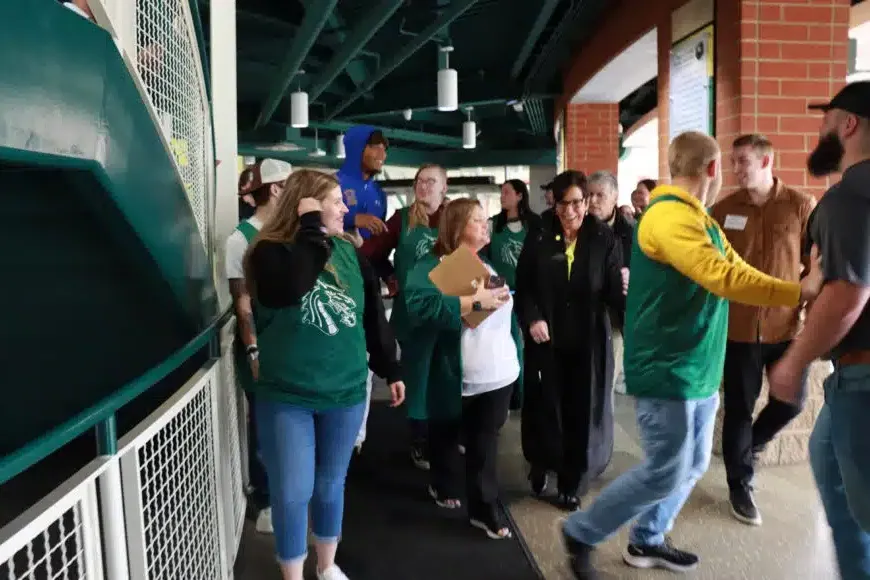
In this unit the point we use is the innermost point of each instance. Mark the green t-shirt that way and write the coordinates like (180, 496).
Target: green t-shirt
(414, 244)
(314, 355)
(504, 252)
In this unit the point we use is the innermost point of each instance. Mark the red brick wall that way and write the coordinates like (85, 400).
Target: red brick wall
(773, 58)
(592, 137)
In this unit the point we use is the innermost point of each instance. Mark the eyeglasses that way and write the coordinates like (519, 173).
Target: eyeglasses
(430, 181)
(576, 204)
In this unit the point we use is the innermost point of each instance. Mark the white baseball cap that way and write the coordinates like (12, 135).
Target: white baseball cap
(270, 171)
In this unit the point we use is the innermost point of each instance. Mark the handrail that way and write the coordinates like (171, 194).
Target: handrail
(102, 414)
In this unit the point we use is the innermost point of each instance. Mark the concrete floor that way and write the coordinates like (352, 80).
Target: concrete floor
(793, 543)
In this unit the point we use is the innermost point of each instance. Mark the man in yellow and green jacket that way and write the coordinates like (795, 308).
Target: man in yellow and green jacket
(683, 272)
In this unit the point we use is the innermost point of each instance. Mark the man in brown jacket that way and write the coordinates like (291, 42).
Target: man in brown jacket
(766, 222)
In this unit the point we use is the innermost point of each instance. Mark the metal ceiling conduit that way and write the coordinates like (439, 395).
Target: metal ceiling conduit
(456, 9)
(397, 134)
(314, 21)
(534, 34)
(353, 44)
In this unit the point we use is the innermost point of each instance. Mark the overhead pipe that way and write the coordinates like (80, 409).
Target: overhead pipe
(456, 9)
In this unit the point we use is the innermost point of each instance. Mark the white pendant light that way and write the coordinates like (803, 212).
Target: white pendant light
(299, 107)
(469, 131)
(318, 152)
(339, 147)
(448, 84)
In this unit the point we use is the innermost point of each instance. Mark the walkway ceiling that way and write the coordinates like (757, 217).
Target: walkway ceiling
(367, 61)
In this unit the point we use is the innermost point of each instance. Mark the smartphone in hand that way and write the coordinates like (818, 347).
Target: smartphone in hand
(495, 282)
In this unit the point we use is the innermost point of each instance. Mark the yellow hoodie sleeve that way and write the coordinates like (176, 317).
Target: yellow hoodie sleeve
(674, 233)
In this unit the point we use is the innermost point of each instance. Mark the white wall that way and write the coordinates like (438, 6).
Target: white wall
(539, 175)
(641, 160)
(223, 90)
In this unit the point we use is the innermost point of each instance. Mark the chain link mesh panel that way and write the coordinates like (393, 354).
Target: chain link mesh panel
(178, 474)
(233, 442)
(167, 60)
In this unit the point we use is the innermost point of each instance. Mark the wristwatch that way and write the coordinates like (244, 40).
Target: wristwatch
(253, 352)
(476, 306)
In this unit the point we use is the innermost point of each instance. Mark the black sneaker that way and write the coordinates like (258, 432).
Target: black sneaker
(743, 506)
(579, 556)
(569, 502)
(419, 458)
(664, 556)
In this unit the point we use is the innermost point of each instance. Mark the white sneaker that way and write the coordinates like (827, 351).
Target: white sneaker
(332, 573)
(264, 521)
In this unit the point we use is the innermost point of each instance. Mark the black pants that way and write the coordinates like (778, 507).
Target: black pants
(256, 469)
(482, 418)
(744, 367)
(419, 434)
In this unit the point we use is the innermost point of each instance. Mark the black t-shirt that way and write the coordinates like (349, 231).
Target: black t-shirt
(840, 226)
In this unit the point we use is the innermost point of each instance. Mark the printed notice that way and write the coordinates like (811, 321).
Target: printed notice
(691, 84)
(735, 222)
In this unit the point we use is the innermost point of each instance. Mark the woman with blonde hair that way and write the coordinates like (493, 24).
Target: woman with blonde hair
(469, 372)
(318, 311)
(411, 232)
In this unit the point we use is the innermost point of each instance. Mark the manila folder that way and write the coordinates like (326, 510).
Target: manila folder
(455, 276)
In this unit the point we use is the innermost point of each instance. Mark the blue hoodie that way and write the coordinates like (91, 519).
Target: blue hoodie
(360, 195)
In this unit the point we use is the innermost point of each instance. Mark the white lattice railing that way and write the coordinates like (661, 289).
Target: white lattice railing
(176, 510)
(158, 41)
(59, 537)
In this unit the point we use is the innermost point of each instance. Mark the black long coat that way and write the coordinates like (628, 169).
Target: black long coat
(567, 420)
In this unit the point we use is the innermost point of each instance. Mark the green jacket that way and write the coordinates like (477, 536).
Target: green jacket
(431, 357)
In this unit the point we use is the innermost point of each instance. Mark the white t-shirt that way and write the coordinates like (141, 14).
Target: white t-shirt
(235, 249)
(489, 354)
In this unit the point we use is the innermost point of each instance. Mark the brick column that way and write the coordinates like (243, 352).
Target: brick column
(773, 58)
(592, 137)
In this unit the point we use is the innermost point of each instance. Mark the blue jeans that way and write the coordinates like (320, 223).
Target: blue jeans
(840, 458)
(306, 454)
(677, 438)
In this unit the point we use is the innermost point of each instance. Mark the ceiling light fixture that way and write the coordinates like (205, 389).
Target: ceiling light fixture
(469, 131)
(299, 106)
(448, 83)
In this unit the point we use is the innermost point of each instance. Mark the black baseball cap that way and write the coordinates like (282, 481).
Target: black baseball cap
(853, 98)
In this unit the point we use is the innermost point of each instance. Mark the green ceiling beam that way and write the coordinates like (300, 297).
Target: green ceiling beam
(454, 11)
(316, 15)
(414, 157)
(353, 43)
(426, 109)
(356, 71)
(397, 134)
(546, 12)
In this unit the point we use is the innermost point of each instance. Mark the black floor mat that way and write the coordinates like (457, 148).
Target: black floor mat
(393, 531)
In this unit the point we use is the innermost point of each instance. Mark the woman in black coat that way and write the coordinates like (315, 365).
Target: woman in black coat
(567, 279)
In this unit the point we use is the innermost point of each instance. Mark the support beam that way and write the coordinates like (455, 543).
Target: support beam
(353, 44)
(546, 12)
(315, 18)
(456, 9)
(414, 158)
(356, 70)
(397, 134)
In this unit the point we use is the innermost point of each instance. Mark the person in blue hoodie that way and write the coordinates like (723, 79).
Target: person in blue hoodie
(366, 152)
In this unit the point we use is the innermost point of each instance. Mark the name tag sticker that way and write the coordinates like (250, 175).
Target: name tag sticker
(735, 222)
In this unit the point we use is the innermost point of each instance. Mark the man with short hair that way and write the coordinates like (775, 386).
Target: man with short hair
(683, 274)
(837, 326)
(765, 222)
(603, 197)
(265, 186)
(548, 216)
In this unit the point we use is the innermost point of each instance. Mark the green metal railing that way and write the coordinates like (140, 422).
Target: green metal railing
(101, 416)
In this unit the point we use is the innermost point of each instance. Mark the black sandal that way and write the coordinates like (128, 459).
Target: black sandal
(490, 521)
(450, 503)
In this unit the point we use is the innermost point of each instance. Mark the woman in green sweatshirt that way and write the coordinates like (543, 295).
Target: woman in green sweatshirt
(318, 311)
(469, 372)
